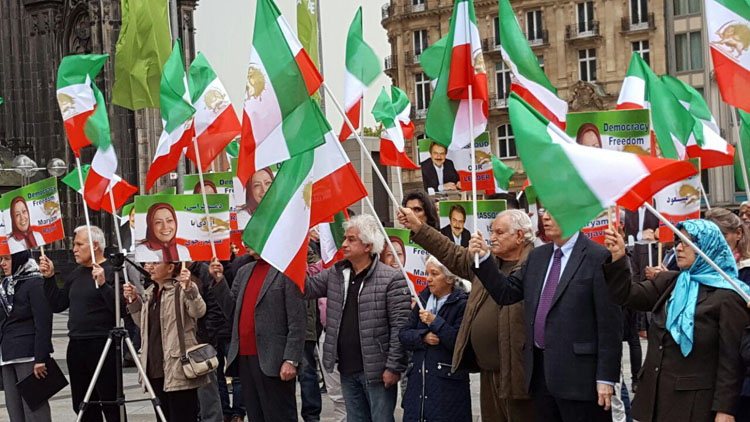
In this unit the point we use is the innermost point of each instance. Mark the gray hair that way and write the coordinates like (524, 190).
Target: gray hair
(369, 231)
(519, 220)
(97, 235)
(448, 274)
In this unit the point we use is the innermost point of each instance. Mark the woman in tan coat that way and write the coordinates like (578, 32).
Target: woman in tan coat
(160, 347)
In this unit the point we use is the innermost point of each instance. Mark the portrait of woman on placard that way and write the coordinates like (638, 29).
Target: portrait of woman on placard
(22, 236)
(160, 243)
(209, 186)
(588, 135)
(255, 190)
(387, 257)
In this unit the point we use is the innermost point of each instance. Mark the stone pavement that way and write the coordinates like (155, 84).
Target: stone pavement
(143, 411)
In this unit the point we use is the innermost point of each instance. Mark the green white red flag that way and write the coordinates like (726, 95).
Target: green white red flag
(448, 120)
(177, 117)
(745, 139)
(215, 123)
(280, 119)
(392, 144)
(728, 37)
(529, 80)
(576, 183)
(82, 105)
(121, 190)
(362, 68)
(501, 175)
(633, 93)
(331, 239)
(308, 189)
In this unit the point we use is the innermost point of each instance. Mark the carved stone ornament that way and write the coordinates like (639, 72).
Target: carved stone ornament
(77, 28)
(587, 96)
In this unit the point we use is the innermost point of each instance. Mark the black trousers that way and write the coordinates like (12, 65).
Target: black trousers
(82, 357)
(552, 409)
(267, 399)
(178, 406)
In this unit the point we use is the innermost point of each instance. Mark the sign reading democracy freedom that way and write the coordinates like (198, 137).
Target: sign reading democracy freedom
(30, 216)
(679, 202)
(174, 228)
(617, 130)
(462, 161)
(414, 257)
(219, 183)
(487, 211)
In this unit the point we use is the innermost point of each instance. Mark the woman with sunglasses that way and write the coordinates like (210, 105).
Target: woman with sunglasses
(693, 369)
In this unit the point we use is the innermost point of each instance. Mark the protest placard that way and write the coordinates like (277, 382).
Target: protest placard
(460, 162)
(222, 183)
(31, 216)
(248, 197)
(175, 228)
(617, 130)
(412, 256)
(487, 211)
(679, 202)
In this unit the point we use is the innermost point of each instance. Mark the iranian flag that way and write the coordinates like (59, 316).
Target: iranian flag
(392, 144)
(706, 142)
(529, 80)
(215, 123)
(462, 67)
(280, 119)
(633, 93)
(729, 38)
(121, 190)
(308, 189)
(501, 175)
(576, 183)
(362, 68)
(745, 139)
(402, 107)
(177, 117)
(82, 105)
(331, 239)
(671, 123)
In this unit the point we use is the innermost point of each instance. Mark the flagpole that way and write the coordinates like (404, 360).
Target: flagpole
(395, 255)
(400, 184)
(473, 168)
(86, 214)
(362, 145)
(705, 196)
(687, 241)
(205, 199)
(736, 125)
(117, 232)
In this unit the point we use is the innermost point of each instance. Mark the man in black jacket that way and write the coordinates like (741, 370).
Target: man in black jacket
(438, 172)
(573, 329)
(89, 295)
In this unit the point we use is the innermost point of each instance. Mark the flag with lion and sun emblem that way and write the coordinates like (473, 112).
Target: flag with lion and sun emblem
(729, 40)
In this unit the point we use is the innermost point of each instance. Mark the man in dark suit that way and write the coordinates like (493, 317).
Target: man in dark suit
(640, 224)
(268, 336)
(573, 329)
(438, 172)
(455, 230)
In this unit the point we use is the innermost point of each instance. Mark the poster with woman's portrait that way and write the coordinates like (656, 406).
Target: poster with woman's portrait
(616, 130)
(248, 196)
(222, 183)
(31, 215)
(411, 255)
(174, 228)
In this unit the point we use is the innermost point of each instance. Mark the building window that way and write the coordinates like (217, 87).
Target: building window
(502, 80)
(534, 26)
(420, 42)
(585, 17)
(506, 143)
(417, 5)
(421, 136)
(641, 47)
(686, 7)
(587, 64)
(540, 59)
(422, 88)
(688, 51)
(496, 28)
(638, 12)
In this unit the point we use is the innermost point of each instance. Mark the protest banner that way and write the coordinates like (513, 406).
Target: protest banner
(174, 228)
(461, 161)
(248, 197)
(222, 183)
(595, 228)
(31, 216)
(487, 211)
(679, 202)
(127, 227)
(617, 130)
(414, 257)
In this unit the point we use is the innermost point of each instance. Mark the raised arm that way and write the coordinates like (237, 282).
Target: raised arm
(456, 258)
(316, 286)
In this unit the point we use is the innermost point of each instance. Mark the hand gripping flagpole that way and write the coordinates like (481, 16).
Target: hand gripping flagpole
(86, 213)
(205, 199)
(688, 242)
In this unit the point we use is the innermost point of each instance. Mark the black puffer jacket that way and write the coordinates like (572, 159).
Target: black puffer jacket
(213, 327)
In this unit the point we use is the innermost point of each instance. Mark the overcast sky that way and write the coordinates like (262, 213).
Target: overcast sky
(224, 30)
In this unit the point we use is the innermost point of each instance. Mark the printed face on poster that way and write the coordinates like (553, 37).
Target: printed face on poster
(679, 202)
(222, 183)
(456, 164)
(487, 210)
(248, 196)
(31, 216)
(617, 130)
(411, 255)
(174, 228)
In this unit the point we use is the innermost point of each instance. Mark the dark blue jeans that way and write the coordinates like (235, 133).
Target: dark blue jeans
(368, 402)
(312, 404)
(237, 408)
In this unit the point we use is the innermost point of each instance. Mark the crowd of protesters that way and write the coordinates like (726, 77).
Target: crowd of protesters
(541, 321)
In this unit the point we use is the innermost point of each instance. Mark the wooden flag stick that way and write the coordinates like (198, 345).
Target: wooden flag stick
(205, 200)
(660, 254)
(41, 249)
(86, 214)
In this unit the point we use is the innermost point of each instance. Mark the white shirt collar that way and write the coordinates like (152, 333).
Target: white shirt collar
(567, 247)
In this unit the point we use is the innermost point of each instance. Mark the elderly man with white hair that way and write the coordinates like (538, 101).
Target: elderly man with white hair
(491, 337)
(368, 304)
(91, 314)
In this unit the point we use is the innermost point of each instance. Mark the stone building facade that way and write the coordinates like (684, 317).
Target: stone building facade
(34, 37)
(583, 46)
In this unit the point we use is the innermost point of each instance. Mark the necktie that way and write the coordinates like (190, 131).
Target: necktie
(545, 300)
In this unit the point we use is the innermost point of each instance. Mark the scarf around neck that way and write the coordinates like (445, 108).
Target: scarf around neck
(8, 285)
